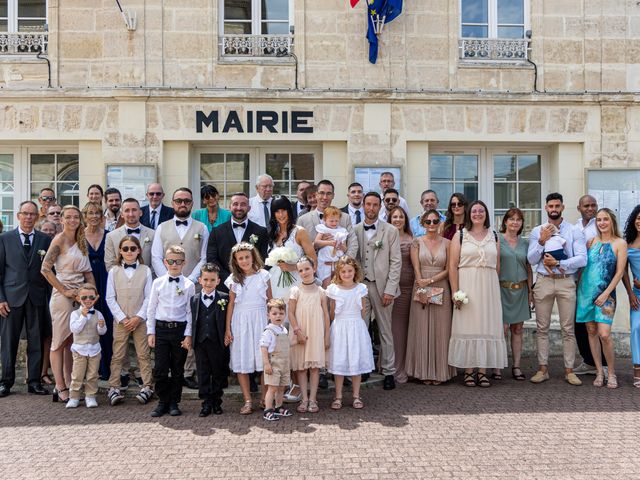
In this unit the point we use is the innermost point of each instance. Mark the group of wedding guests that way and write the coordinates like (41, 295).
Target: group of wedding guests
(445, 291)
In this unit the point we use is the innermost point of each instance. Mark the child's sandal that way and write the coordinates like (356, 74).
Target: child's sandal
(283, 412)
(313, 407)
(357, 403)
(336, 404)
(247, 408)
(303, 407)
(270, 415)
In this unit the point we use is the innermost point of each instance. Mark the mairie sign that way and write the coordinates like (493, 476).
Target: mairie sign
(258, 121)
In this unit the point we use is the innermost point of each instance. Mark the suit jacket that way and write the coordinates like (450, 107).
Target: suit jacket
(166, 213)
(20, 277)
(219, 314)
(345, 209)
(310, 220)
(387, 261)
(222, 240)
(294, 205)
(113, 240)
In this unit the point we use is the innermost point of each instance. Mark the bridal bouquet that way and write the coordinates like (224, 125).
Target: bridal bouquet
(461, 297)
(286, 255)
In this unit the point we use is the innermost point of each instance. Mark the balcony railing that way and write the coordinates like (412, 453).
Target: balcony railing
(24, 43)
(494, 49)
(244, 46)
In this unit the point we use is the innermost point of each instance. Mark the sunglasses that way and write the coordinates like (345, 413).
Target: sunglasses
(390, 200)
(88, 297)
(171, 261)
(48, 199)
(132, 248)
(183, 201)
(432, 222)
(55, 213)
(155, 194)
(456, 204)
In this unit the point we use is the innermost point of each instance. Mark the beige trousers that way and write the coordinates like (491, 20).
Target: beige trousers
(383, 317)
(120, 352)
(547, 291)
(84, 367)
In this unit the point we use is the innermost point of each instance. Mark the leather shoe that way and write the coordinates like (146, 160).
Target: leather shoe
(539, 377)
(206, 410)
(323, 383)
(389, 383)
(190, 382)
(253, 386)
(37, 389)
(174, 410)
(364, 377)
(4, 391)
(217, 410)
(573, 379)
(160, 410)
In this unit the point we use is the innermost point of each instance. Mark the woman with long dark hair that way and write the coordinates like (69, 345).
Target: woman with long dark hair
(632, 238)
(212, 214)
(456, 215)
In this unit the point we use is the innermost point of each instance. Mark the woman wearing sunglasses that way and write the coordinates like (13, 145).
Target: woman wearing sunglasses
(430, 318)
(456, 215)
(68, 256)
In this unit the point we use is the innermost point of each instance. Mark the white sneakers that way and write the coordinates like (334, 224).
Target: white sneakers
(90, 402)
(72, 403)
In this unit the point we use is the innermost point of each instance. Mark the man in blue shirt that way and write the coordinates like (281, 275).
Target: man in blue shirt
(429, 201)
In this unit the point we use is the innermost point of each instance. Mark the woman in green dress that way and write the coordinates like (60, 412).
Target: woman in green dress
(515, 284)
(212, 215)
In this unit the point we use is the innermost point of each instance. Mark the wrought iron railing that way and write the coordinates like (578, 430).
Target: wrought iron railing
(234, 46)
(23, 43)
(494, 49)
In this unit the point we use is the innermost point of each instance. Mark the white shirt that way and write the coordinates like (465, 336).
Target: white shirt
(268, 338)
(256, 213)
(112, 301)
(154, 221)
(239, 231)
(207, 302)
(157, 250)
(23, 233)
(77, 322)
(589, 231)
(111, 222)
(352, 214)
(299, 207)
(372, 231)
(168, 304)
(404, 205)
(575, 248)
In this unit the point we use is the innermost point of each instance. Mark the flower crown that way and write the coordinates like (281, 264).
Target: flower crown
(241, 246)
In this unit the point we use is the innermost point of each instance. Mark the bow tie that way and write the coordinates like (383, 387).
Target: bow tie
(181, 222)
(239, 225)
(370, 227)
(133, 230)
(174, 279)
(91, 312)
(208, 297)
(321, 215)
(133, 265)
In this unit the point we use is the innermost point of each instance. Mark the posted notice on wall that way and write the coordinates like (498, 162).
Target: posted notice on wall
(622, 202)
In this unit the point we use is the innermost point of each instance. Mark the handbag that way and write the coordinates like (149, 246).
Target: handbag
(429, 295)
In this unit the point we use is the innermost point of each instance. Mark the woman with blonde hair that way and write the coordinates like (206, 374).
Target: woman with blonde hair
(69, 256)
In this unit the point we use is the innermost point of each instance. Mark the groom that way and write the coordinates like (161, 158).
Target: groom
(379, 255)
(23, 298)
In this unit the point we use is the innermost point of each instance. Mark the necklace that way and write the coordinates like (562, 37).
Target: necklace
(312, 283)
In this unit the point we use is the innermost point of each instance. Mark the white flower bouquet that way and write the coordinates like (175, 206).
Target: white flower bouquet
(286, 255)
(461, 297)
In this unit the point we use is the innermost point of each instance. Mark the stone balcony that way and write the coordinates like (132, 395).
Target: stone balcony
(259, 47)
(504, 50)
(23, 43)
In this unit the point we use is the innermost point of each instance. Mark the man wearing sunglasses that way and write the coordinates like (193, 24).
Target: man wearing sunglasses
(390, 200)
(429, 201)
(131, 213)
(155, 212)
(46, 198)
(388, 181)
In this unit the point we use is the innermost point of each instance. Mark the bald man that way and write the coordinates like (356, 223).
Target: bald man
(155, 212)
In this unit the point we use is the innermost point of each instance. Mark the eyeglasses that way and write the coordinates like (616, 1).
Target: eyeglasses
(390, 200)
(48, 199)
(54, 213)
(132, 248)
(88, 297)
(435, 221)
(155, 194)
(171, 261)
(183, 201)
(28, 214)
(456, 204)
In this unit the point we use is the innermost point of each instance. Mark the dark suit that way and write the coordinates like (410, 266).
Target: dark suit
(166, 213)
(24, 288)
(212, 357)
(345, 209)
(222, 240)
(294, 205)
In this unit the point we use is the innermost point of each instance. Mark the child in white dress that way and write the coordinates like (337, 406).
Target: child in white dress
(330, 249)
(351, 353)
(249, 290)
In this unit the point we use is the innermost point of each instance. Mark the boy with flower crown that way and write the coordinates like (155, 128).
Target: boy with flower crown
(208, 314)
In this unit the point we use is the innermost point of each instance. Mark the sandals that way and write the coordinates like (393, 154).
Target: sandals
(483, 381)
(46, 379)
(357, 403)
(313, 407)
(496, 375)
(247, 408)
(599, 381)
(612, 381)
(517, 376)
(469, 380)
(636, 382)
(336, 404)
(270, 415)
(303, 407)
(283, 412)
(57, 397)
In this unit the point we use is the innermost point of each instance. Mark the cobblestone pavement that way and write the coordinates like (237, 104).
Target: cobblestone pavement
(513, 430)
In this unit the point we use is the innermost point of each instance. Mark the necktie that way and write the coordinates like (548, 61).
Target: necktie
(91, 312)
(358, 217)
(127, 265)
(208, 297)
(321, 215)
(153, 219)
(370, 227)
(174, 279)
(133, 230)
(239, 225)
(181, 222)
(265, 206)
(27, 243)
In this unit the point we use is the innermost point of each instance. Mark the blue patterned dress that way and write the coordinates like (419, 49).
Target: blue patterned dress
(596, 277)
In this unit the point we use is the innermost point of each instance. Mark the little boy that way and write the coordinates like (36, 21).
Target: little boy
(169, 330)
(86, 325)
(208, 314)
(274, 344)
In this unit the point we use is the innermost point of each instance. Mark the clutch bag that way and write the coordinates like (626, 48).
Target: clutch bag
(429, 295)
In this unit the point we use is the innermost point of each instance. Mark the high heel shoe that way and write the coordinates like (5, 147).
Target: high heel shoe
(56, 395)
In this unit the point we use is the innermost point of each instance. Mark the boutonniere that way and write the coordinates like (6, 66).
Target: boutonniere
(197, 236)
(223, 303)
(378, 244)
(253, 239)
(146, 240)
(42, 253)
(179, 290)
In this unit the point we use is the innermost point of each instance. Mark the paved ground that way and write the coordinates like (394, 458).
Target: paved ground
(512, 430)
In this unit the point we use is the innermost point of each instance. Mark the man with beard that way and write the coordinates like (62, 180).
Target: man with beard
(112, 213)
(131, 213)
(557, 286)
(354, 207)
(192, 236)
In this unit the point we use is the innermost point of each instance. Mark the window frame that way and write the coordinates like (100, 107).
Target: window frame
(13, 19)
(492, 21)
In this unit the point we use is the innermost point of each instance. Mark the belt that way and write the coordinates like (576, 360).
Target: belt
(557, 276)
(164, 324)
(372, 281)
(514, 285)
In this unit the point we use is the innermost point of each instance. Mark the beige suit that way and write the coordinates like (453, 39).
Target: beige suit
(113, 240)
(381, 268)
(311, 220)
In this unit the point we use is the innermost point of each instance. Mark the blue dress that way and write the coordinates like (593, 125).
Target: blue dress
(596, 277)
(633, 256)
(99, 270)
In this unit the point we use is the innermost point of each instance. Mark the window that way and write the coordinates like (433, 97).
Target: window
(7, 190)
(256, 28)
(451, 173)
(287, 169)
(228, 172)
(503, 25)
(22, 26)
(58, 171)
